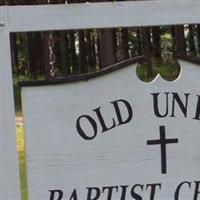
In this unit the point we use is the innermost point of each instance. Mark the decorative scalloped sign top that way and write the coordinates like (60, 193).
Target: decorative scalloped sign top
(114, 137)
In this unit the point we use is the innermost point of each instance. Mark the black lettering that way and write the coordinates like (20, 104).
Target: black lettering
(155, 104)
(90, 195)
(153, 189)
(102, 122)
(134, 194)
(80, 130)
(74, 195)
(197, 116)
(118, 112)
(176, 197)
(182, 106)
(110, 191)
(56, 194)
(123, 194)
(197, 190)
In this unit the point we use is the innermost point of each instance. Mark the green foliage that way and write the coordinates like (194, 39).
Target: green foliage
(22, 56)
(169, 71)
(134, 44)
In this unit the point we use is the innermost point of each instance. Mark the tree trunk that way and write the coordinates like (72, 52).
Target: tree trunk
(106, 46)
(125, 46)
(73, 56)
(107, 52)
(115, 44)
(90, 49)
(198, 37)
(191, 39)
(57, 1)
(83, 68)
(64, 52)
(156, 41)
(180, 40)
(173, 34)
(147, 50)
(40, 48)
(14, 52)
(94, 44)
(139, 42)
(32, 58)
(46, 54)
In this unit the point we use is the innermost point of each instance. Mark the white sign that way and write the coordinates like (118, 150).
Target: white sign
(58, 17)
(114, 137)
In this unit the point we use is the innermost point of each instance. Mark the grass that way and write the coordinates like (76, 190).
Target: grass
(22, 163)
(169, 71)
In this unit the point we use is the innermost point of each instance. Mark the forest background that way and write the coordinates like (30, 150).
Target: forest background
(59, 54)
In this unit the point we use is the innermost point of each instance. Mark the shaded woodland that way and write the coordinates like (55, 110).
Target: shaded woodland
(55, 54)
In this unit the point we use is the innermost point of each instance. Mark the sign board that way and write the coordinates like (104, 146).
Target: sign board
(58, 17)
(114, 137)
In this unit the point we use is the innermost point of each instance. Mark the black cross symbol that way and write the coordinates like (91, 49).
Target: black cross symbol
(163, 141)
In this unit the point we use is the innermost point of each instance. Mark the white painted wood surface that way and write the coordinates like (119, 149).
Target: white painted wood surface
(99, 15)
(58, 158)
(9, 185)
(59, 17)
